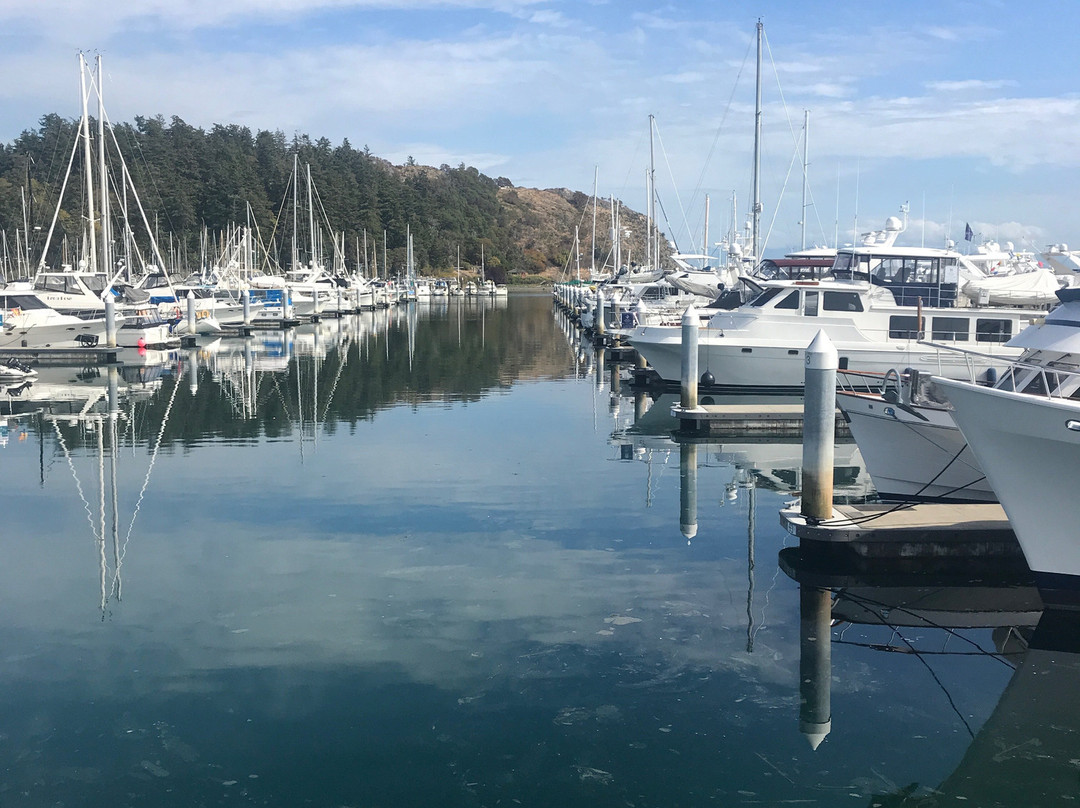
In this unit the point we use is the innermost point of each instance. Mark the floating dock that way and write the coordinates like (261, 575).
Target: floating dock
(64, 357)
(925, 530)
(733, 420)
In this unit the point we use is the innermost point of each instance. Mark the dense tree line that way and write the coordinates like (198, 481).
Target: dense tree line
(195, 184)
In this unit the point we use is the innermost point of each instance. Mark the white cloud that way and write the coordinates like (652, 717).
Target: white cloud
(968, 85)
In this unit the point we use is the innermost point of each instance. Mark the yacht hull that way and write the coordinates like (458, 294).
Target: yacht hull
(912, 457)
(754, 364)
(64, 335)
(1029, 448)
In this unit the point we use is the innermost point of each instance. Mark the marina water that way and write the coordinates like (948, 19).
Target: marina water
(445, 556)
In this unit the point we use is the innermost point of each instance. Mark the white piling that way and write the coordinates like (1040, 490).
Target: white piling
(598, 318)
(689, 378)
(245, 298)
(110, 320)
(819, 426)
(191, 312)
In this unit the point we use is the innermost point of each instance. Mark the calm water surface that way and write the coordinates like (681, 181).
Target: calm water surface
(441, 557)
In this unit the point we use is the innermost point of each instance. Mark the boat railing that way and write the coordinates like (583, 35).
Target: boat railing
(1043, 379)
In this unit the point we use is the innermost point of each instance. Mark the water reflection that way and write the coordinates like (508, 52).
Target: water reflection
(1025, 751)
(474, 587)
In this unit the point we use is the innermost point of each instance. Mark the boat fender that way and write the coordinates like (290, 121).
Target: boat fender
(707, 379)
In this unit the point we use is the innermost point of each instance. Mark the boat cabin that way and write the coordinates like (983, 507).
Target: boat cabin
(911, 275)
(793, 269)
(812, 299)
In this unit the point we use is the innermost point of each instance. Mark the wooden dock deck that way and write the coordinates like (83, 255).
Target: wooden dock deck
(910, 531)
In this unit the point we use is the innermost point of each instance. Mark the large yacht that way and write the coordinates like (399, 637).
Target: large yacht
(1025, 435)
(906, 430)
(876, 308)
(27, 322)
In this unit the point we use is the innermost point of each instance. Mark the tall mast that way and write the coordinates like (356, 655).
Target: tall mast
(88, 160)
(756, 210)
(592, 244)
(653, 241)
(577, 254)
(705, 250)
(805, 170)
(106, 263)
(295, 210)
(311, 216)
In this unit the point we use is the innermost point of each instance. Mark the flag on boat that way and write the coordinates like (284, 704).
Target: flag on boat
(967, 232)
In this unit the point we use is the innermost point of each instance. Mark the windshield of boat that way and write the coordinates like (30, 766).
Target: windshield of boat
(766, 296)
(21, 302)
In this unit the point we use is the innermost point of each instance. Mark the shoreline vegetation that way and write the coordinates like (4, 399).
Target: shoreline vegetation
(196, 184)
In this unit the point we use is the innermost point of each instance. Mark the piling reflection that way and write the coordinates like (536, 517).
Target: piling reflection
(1025, 751)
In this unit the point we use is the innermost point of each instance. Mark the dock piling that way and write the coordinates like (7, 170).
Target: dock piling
(191, 312)
(110, 321)
(689, 380)
(819, 420)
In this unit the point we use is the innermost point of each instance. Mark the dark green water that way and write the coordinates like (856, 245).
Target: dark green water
(433, 558)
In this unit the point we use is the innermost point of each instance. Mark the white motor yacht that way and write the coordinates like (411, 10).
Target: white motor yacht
(906, 429)
(875, 308)
(28, 322)
(912, 448)
(1025, 434)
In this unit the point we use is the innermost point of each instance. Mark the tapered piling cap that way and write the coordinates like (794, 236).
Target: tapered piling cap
(821, 353)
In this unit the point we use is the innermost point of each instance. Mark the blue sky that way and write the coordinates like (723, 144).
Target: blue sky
(966, 111)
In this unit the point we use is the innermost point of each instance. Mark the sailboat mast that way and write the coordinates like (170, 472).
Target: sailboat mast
(805, 170)
(295, 211)
(652, 243)
(592, 244)
(756, 210)
(88, 161)
(311, 216)
(577, 255)
(705, 245)
(106, 263)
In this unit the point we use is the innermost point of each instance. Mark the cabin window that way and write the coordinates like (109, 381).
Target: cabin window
(841, 301)
(903, 326)
(57, 283)
(810, 304)
(1007, 382)
(789, 302)
(952, 329)
(766, 296)
(95, 283)
(987, 330)
(1037, 385)
(843, 263)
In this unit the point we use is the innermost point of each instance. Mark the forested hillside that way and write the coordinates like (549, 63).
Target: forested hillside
(194, 184)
